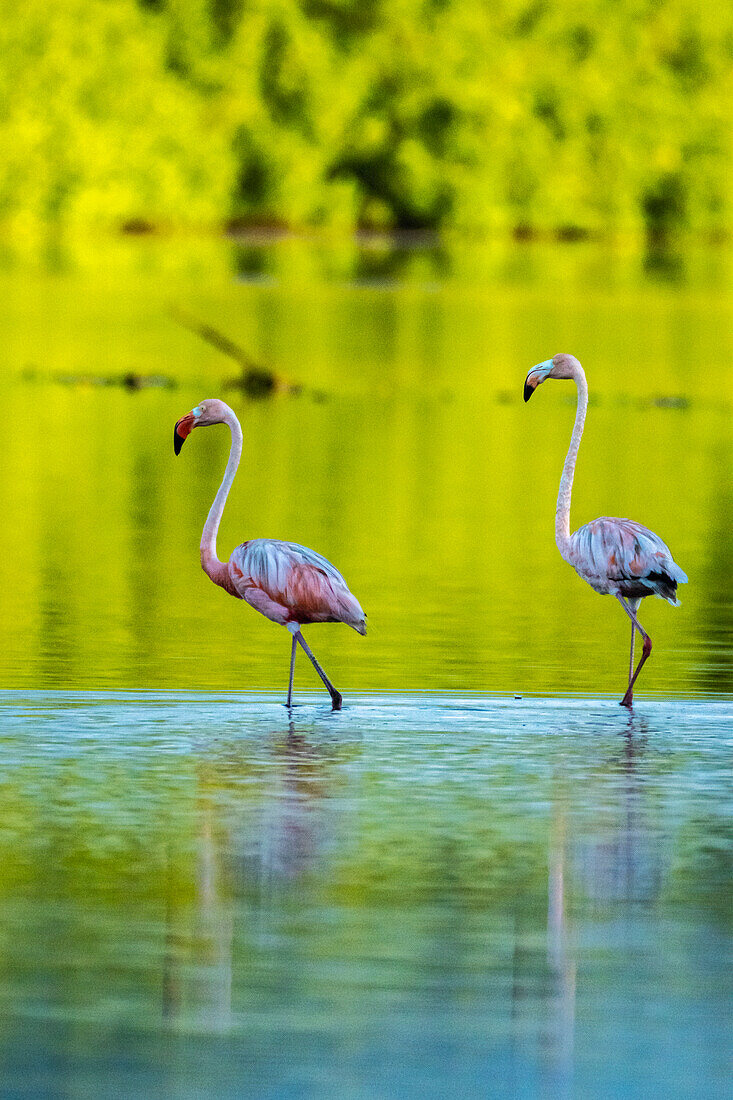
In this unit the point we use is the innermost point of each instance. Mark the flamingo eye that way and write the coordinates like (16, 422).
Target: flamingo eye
(198, 410)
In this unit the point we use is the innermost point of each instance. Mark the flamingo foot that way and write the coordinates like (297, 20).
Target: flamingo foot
(627, 700)
(336, 699)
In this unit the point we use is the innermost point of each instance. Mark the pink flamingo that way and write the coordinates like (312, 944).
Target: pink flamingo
(616, 557)
(287, 583)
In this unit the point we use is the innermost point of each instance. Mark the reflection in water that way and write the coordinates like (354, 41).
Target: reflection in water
(617, 860)
(251, 264)
(288, 833)
(544, 976)
(381, 264)
(197, 963)
(425, 895)
(715, 628)
(256, 857)
(412, 471)
(666, 263)
(624, 862)
(417, 896)
(561, 963)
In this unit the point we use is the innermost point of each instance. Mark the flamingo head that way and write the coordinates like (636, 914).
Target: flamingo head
(211, 411)
(560, 366)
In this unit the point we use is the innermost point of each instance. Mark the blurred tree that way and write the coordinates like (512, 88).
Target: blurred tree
(526, 115)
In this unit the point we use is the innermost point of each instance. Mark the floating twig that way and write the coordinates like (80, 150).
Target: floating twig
(130, 380)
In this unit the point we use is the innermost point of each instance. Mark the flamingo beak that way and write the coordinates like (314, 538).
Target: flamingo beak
(530, 385)
(181, 431)
(536, 377)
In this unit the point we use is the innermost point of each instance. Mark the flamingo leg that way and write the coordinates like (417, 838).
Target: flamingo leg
(634, 605)
(292, 672)
(335, 696)
(629, 696)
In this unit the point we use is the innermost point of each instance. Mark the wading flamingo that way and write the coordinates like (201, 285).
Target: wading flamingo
(617, 557)
(287, 583)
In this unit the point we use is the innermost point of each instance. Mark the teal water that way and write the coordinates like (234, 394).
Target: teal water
(422, 896)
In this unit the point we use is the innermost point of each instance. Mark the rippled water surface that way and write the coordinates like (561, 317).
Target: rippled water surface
(420, 896)
(515, 890)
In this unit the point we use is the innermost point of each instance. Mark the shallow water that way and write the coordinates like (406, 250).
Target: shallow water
(420, 896)
(409, 460)
(489, 893)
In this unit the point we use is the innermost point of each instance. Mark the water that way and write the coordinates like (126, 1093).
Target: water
(483, 877)
(420, 896)
(409, 460)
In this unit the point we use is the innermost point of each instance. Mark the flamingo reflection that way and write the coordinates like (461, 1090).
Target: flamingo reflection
(240, 857)
(197, 965)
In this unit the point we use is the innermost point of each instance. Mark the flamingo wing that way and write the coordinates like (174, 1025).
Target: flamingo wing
(620, 555)
(289, 583)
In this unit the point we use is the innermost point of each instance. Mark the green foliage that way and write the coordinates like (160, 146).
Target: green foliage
(525, 114)
(94, 126)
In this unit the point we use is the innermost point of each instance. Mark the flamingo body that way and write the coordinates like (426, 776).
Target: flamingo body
(289, 583)
(622, 557)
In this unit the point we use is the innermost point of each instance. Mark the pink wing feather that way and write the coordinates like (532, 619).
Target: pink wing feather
(289, 583)
(619, 555)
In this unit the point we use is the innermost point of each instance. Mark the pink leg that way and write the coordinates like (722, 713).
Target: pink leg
(336, 699)
(635, 625)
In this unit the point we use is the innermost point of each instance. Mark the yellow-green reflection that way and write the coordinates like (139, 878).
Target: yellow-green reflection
(416, 468)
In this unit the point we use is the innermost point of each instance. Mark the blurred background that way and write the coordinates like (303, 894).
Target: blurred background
(531, 116)
(361, 223)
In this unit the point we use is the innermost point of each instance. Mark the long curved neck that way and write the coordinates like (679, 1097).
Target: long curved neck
(562, 514)
(209, 561)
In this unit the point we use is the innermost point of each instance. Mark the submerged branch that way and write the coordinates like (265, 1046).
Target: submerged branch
(255, 379)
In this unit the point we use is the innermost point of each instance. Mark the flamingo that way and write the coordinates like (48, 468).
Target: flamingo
(617, 557)
(289, 584)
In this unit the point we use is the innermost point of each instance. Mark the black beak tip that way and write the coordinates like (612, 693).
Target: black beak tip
(528, 391)
(178, 441)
